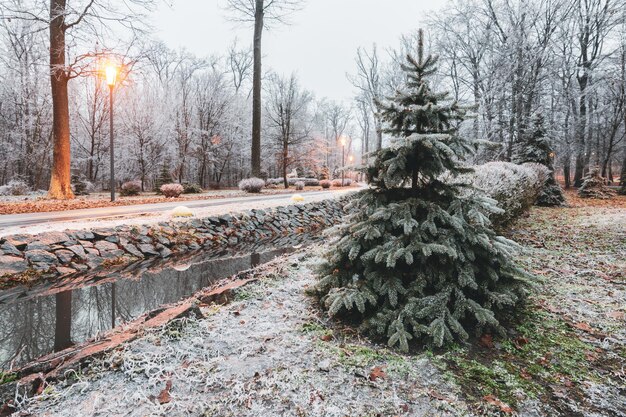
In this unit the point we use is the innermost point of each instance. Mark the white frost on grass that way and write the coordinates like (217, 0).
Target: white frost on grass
(262, 355)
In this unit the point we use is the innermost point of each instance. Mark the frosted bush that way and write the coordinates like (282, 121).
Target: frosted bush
(15, 187)
(182, 211)
(299, 185)
(251, 185)
(514, 187)
(172, 190)
(308, 182)
(326, 183)
(595, 187)
(347, 182)
(192, 188)
(130, 188)
(274, 181)
(337, 183)
(80, 185)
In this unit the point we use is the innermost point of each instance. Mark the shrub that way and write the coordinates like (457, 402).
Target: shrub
(514, 187)
(535, 147)
(326, 183)
(347, 182)
(172, 190)
(274, 181)
(337, 183)
(594, 187)
(130, 188)
(299, 185)
(80, 185)
(15, 187)
(324, 173)
(308, 182)
(192, 188)
(251, 185)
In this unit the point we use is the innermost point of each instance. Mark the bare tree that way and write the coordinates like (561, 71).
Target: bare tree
(287, 109)
(595, 19)
(79, 20)
(263, 13)
(240, 63)
(368, 80)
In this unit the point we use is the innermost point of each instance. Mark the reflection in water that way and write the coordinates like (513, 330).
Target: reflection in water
(34, 325)
(63, 323)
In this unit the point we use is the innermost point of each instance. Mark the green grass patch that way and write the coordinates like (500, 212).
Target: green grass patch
(544, 353)
(6, 377)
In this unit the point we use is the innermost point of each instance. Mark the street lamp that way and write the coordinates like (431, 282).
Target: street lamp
(111, 76)
(342, 141)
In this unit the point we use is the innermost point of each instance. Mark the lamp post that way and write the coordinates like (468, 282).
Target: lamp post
(111, 76)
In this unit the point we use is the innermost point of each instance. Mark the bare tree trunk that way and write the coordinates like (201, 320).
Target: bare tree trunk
(580, 140)
(622, 177)
(60, 181)
(285, 156)
(566, 173)
(379, 136)
(256, 90)
(63, 323)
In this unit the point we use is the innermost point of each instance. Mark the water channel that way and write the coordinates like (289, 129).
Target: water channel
(50, 317)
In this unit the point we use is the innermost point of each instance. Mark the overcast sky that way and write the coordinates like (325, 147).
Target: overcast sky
(319, 45)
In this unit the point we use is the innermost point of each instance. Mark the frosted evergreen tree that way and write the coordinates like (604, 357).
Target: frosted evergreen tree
(165, 177)
(419, 260)
(535, 147)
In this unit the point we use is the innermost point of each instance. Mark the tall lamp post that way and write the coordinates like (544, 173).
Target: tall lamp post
(111, 75)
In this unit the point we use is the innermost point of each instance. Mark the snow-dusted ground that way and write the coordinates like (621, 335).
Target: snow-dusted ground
(156, 217)
(266, 354)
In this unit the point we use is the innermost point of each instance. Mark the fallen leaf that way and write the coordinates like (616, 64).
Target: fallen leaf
(486, 340)
(524, 374)
(520, 342)
(544, 360)
(327, 337)
(583, 326)
(164, 396)
(505, 408)
(434, 394)
(376, 373)
(618, 315)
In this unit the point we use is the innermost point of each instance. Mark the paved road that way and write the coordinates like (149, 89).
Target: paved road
(28, 219)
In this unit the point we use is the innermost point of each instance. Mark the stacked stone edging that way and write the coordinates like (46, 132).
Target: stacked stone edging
(64, 253)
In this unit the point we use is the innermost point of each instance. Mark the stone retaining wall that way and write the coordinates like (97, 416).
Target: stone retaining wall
(62, 253)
